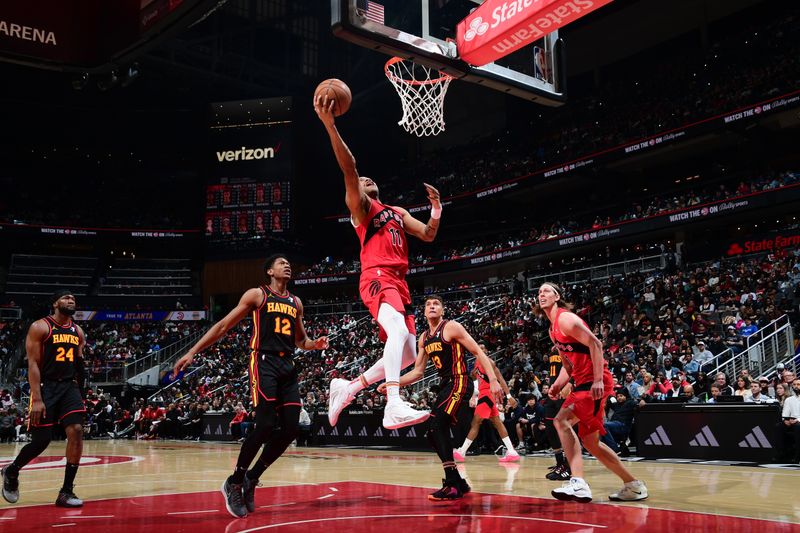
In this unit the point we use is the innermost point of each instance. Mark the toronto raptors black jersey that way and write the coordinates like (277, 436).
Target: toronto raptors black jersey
(448, 357)
(60, 351)
(275, 323)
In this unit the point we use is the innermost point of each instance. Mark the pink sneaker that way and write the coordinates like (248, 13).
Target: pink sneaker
(509, 458)
(457, 456)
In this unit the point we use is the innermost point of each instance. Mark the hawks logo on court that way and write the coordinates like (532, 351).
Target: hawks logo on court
(58, 461)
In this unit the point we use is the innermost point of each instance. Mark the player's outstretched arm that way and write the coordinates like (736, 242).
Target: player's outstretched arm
(357, 201)
(249, 301)
(456, 332)
(425, 232)
(571, 325)
(301, 339)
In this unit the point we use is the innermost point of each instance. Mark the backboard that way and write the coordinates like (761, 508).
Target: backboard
(424, 31)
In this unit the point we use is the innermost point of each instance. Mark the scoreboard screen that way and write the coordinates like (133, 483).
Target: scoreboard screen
(249, 192)
(247, 210)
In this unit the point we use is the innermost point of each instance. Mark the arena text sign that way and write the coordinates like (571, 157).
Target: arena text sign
(499, 27)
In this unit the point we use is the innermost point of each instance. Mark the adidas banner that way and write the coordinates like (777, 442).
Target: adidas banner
(363, 428)
(217, 426)
(710, 432)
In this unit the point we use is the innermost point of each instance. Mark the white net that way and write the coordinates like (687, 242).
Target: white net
(422, 91)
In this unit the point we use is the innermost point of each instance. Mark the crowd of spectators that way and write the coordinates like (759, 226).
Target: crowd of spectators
(648, 207)
(743, 66)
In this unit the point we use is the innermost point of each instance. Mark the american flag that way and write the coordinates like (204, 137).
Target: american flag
(371, 10)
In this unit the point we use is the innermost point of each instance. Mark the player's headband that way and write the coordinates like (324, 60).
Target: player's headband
(555, 289)
(60, 294)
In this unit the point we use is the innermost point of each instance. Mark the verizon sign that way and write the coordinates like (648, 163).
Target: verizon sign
(500, 27)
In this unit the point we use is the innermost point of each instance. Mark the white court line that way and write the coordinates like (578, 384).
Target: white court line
(326, 496)
(334, 489)
(373, 497)
(195, 512)
(65, 525)
(73, 517)
(275, 505)
(643, 504)
(7, 518)
(339, 518)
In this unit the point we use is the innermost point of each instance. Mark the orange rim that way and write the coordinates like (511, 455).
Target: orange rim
(391, 76)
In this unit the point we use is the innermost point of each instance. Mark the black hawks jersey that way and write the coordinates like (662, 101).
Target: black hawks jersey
(275, 323)
(60, 351)
(555, 367)
(448, 357)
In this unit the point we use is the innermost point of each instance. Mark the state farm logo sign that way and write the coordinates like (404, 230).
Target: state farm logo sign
(476, 27)
(767, 244)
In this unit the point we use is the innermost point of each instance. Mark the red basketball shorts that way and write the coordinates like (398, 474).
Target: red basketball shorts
(379, 285)
(486, 407)
(589, 411)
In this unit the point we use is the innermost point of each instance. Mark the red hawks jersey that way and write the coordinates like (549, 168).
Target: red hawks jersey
(383, 239)
(577, 354)
(483, 380)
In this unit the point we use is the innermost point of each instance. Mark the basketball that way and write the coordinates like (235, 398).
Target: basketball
(338, 91)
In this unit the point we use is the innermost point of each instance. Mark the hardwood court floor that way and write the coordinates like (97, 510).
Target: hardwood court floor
(174, 486)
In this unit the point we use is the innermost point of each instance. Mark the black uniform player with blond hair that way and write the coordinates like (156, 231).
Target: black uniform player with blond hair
(446, 343)
(278, 328)
(54, 346)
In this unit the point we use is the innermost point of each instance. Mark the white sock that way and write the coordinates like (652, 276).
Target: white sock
(465, 446)
(394, 324)
(509, 447)
(376, 372)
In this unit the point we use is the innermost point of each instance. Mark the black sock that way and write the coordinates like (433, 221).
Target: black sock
(238, 476)
(69, 477)
(560, 458)
(257, 469)
(451, 474)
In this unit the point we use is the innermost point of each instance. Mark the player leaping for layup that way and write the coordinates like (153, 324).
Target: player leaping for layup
(381, 230)
(582, 359)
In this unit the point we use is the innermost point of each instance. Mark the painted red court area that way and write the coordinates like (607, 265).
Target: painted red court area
(357, 507)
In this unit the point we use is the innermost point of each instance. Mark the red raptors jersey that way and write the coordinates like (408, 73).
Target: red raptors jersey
(576, 353)
(383, 239)
(483, 381)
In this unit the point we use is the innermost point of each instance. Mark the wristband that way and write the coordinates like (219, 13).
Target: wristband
(436, 213)
(508, 396)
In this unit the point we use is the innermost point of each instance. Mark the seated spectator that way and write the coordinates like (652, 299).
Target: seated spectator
(676, 387)
(618, 427)
(688, 394)
(715, 394)
(239, 425)
(7, 420)
(748, 328)
(721, 381)
(743, 387)
(733, 340)
(702, 354)
(660, 387)
(756, 396)
(782, 392)
(690, 364)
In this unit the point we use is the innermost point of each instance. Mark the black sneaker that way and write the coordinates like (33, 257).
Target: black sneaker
(446, 493)
(560, 473)
(463, 486)
(233, 499)
(249, 493)
(10, 486)
(67, 498)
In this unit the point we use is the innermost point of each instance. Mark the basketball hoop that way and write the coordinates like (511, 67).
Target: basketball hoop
(421, 94)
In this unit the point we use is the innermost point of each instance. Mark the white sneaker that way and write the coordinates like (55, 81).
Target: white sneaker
(630, 492)
(339, 397)
(400, 414)
(574, 490)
